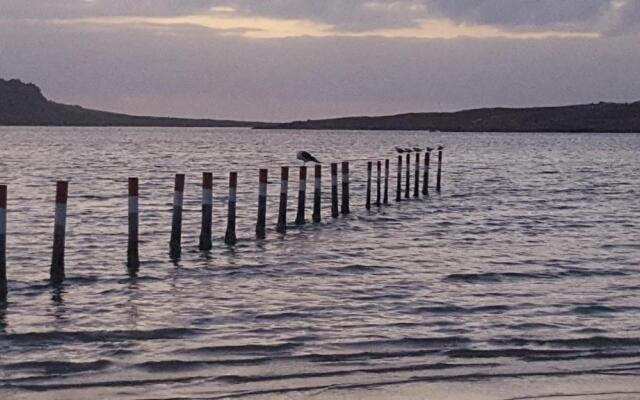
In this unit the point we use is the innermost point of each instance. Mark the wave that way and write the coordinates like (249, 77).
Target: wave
(496, 277)
(587, 343)
(98, 336)
(600, 309)
(246, 349)
(451, 309)
(411, 342)
(58, 367)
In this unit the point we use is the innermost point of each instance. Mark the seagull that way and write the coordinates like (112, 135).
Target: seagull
(306, 157)
(417, 149)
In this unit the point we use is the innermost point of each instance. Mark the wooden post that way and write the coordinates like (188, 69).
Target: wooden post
(407, 178)
(230, 235)
(302, 196)
(133, 259)
(345, 188)
(207, 212)
(378, 183)
(284, 190)
(369, 167)
(386, 182)
(416, 178)
(317, 193)
(399, 183)
(57, 260)
(175, 247)
(3, 242)
(334, 190)
(425, 178)
(261, 230)
(439, 176)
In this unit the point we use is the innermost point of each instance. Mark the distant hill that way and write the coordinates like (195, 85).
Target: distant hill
(601, 117)
(24, 104)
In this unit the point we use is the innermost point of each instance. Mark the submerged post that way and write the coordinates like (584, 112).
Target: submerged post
(378, 183)
(317, 193)
(416, 189)
(281, 227)
(407, 188)
(230, 235)
(439, 177)
(334, 190)
(3, 241)
(57, 260)
(261, 230)
(345, 188)
(302, 196)
(386, 182)
(425, 178)
(207, 211)
(175, 247)
(133, 260)
(369, 167)
(399, 183)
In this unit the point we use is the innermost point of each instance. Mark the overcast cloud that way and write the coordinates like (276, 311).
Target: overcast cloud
(195, 69)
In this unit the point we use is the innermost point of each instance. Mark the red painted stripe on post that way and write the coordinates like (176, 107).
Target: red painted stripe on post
(263, 175)
(3, 196)
(207, 180)
(133, 186)
(62, 192)
(179, 186)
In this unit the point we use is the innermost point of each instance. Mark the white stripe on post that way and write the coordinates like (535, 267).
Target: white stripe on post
(207, 197)
(3, 221)
(133, 204)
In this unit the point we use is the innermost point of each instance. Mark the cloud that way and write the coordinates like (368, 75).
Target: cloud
(359, 16)
(508, 15)
(193, 71)
(67, 9)
(529, 13)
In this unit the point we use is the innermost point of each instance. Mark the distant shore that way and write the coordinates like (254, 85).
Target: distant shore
(23, 104)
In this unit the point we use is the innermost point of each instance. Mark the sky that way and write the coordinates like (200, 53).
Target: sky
(280, 60)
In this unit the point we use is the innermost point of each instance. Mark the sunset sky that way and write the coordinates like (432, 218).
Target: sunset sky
(298, 59)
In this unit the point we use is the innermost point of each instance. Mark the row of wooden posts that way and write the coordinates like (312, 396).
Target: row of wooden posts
(57, 272)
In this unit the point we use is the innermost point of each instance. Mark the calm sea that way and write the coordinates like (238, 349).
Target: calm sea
(527, 266)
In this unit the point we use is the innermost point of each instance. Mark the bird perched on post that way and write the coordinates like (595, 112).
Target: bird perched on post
(306, 157)
(408, 150)
(441, 147)
(429, 149)
(399, 149)
(417, 149)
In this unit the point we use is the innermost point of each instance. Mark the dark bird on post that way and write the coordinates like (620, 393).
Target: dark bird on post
(440, 147)
(417, 149)
(306, 157)
(408, 150)
(399, 149)
(429, 149)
